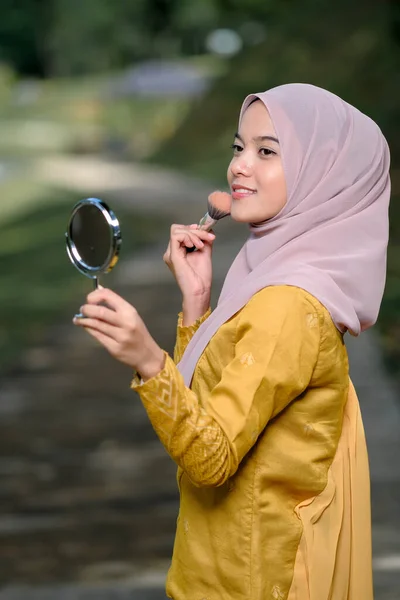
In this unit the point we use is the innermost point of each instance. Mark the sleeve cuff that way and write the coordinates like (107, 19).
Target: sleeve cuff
(137, 381)
(185, 334)
(140, 386)
(191, 329)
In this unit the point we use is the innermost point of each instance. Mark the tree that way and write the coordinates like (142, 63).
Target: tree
(22, 27)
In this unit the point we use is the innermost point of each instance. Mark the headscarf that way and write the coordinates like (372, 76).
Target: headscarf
(331, 237)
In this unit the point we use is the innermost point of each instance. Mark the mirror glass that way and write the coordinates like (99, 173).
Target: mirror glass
(93, 237)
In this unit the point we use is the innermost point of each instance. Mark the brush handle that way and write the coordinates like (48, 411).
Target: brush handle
(205, 223)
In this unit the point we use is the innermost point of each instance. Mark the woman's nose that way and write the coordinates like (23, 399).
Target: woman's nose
(240, 165)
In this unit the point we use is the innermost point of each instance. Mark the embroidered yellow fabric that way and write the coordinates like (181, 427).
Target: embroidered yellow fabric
(254, 437)
(185, 334)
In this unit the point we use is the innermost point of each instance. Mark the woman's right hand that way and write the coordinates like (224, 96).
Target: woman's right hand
(192, 270)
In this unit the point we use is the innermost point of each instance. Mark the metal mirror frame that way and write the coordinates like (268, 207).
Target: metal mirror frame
(115, 240)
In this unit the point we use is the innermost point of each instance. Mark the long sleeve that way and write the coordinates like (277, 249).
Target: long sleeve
(276, 350)
(185, 334)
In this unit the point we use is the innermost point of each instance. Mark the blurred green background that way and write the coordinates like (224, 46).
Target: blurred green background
(161, 81)
(98, 95)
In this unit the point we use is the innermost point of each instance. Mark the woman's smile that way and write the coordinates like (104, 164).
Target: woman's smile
(241, 191)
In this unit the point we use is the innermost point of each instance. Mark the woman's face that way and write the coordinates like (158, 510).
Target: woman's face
(255, 173)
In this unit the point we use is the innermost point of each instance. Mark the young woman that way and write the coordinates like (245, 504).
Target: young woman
(260, 414)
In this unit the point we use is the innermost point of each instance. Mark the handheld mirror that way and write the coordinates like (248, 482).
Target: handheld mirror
(93, 238)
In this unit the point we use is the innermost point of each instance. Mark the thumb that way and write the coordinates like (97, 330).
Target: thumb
(208, 248)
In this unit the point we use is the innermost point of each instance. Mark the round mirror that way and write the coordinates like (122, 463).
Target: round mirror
(93, 238)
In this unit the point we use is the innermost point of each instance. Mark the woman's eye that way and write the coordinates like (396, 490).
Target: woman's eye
(266, 152)
(236, 148)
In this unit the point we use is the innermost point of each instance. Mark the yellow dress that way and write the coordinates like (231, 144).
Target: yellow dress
(272, 463)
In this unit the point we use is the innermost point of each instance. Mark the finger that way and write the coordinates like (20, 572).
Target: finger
(208, 248)
(113, 300)
(104, 328)
(188, 239)
(195, 241)
(167, 254)
(193, 231)
(180, 242)
(108, 343)
(176, 226)
(101, 313)
(205, 246)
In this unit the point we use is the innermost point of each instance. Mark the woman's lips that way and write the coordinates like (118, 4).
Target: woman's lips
(239, 193)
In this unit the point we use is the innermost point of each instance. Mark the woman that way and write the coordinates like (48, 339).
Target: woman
(260, 414)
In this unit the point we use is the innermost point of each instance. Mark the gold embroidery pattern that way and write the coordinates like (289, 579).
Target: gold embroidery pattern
(247, 360)
(312, 320)
(277, 593)
(186, 526)
(191, 436)
(308, 429)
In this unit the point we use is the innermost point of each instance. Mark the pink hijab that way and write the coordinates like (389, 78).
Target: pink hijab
(331, 237)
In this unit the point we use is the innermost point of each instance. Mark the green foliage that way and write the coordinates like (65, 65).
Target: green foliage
(96, 35)
(21, 32)
(7, 79)
(353, 56)
(72, 37)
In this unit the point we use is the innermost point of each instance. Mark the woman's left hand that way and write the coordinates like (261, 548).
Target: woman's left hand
(120, 329)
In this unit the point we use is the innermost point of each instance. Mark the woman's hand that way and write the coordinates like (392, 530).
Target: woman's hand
(120, 329)
(193, 270)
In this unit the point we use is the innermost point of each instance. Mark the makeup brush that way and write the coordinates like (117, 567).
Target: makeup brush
(218, 207)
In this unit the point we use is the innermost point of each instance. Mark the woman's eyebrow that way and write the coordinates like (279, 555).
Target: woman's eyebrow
(260, 138)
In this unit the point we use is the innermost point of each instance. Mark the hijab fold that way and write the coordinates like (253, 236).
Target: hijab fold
(331, 236)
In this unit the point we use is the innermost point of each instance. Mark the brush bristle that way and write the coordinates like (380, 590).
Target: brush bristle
(219, 205)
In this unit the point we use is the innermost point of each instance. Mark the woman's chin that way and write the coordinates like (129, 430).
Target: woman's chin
(241, 220)
(240, 217)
